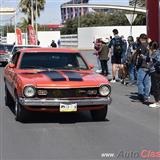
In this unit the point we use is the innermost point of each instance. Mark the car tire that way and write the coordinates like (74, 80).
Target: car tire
(8, 98)
(21, 114)
(99, 115)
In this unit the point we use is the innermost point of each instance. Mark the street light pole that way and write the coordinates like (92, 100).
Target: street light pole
(32, 18)
(15, 25)
(36, 23)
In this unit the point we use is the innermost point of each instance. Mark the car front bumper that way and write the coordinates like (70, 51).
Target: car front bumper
(56, 102)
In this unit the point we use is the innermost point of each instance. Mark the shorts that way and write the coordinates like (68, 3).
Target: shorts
(115, 60)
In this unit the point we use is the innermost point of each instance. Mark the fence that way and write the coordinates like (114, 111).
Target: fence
(69, 41)
(87, 35)
(3, 40)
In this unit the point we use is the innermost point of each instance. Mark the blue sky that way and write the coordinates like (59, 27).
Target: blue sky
(51, 14)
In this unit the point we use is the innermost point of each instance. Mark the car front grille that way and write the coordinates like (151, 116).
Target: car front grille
(68, 93)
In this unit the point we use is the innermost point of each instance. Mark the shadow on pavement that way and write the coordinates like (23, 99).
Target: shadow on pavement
(62, 118)
(133, 96)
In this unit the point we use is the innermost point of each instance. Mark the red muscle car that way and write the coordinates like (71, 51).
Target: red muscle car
(54, 80)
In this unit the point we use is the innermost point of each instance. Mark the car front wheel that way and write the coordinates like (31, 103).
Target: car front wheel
(8, 98)
(20, 112)
(99, 115)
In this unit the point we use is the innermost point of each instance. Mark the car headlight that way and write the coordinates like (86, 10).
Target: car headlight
(29, 91)
(104, 90)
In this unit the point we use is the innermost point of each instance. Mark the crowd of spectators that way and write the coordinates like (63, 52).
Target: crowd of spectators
(134, 62)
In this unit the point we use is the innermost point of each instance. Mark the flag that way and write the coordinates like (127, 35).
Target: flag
(19, 36)
(32, 35)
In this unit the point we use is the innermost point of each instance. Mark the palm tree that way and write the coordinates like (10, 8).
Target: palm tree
(23, 24)
(140, 3)
(25, 7)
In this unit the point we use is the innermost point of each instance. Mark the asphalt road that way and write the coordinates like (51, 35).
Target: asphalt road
(130, 128)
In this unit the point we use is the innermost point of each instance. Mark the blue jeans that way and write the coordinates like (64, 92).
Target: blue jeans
(144, 83)
(132, 72)
(98, 64)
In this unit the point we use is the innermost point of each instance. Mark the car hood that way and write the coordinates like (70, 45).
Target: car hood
(62, 79)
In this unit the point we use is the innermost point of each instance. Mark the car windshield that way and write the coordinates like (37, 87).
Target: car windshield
(17, 48)
(52, 60)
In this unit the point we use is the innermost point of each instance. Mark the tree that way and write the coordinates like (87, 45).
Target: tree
(70, 27)
(94, 19)
(6, 29)
(140, 3)
(117, 18)
(23, 24)
(140, 20)
(25, 7)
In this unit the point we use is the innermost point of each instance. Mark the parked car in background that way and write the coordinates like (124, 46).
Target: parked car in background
(54, 80)
(8, 47)
(5, 54)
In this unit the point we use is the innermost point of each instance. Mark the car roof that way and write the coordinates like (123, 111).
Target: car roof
(26, 46)
(59, 50)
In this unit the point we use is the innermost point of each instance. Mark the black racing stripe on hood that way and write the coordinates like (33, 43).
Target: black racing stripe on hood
(54, 76)
(73, 76)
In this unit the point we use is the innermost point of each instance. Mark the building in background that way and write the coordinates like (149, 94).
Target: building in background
(70, 13)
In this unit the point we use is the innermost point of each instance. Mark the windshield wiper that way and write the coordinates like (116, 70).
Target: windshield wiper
(80, 68)
(35, 67)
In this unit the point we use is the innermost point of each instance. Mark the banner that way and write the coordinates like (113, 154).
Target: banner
(32, 35)
(19, 36)
(152, 19)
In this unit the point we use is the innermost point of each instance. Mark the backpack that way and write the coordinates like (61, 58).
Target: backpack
(118, 47)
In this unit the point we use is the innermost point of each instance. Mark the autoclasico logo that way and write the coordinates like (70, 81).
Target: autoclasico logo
(149, 154)
(144, 154)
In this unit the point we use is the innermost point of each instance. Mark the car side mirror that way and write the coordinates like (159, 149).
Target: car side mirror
(91, 66)
(11, 65)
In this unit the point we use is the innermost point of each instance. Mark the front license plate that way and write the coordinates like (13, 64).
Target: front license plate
(68, 107)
